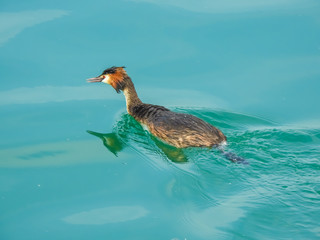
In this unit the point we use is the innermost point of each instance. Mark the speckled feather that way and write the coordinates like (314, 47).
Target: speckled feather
(178, 129)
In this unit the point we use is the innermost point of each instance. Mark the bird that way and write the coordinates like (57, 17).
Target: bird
(180, 130)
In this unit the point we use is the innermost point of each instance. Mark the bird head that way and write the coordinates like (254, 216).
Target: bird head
(114, 76)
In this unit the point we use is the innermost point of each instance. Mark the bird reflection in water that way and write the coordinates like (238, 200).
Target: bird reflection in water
(128, 132)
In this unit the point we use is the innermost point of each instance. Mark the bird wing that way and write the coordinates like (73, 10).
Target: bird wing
(184, 130)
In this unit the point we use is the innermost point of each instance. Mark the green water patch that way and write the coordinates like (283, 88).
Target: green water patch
(127, 179)
(257, 140)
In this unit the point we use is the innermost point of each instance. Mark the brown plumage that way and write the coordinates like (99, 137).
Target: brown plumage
(177, 129)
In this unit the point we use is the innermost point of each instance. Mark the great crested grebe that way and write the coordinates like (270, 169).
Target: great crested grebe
(177, 129)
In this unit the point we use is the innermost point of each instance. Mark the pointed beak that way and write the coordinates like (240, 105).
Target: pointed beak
(95, 79)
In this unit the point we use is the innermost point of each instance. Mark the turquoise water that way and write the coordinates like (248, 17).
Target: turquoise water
(74, 165)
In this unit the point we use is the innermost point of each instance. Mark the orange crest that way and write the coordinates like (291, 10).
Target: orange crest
(117, 79)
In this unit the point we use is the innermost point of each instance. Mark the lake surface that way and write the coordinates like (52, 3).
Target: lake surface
(75, 165)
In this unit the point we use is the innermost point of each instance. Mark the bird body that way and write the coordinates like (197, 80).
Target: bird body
(177, 129)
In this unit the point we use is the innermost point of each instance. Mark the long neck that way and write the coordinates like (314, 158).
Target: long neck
(131, 95)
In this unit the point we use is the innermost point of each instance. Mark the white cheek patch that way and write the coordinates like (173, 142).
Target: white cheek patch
(106, 79)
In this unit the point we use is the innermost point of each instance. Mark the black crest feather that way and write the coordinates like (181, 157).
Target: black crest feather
(111, 70)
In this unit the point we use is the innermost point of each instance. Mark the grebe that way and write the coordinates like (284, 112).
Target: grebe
(177, 129)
